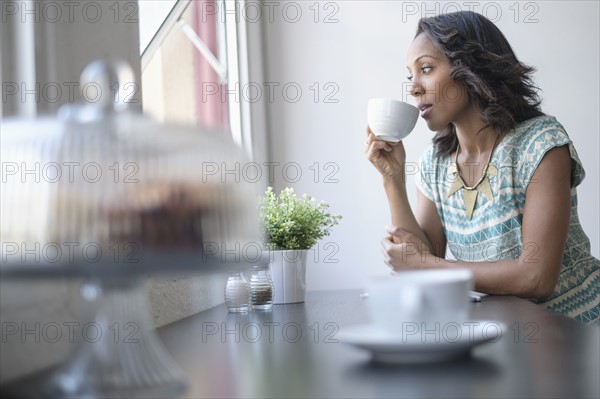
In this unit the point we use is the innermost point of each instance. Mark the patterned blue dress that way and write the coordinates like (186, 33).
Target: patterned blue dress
(494, 232)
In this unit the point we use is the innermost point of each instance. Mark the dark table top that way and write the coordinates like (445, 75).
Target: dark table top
(292, 351)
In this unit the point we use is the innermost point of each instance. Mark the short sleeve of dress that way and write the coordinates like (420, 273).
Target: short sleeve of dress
(425, 178)
(543, 135)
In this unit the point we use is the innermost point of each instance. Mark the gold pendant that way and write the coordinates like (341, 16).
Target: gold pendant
(470, 196)
(457, 183)
(470, 193)
(486, 190)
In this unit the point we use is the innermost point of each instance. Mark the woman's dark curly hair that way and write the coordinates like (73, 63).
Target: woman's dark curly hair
(481, 58)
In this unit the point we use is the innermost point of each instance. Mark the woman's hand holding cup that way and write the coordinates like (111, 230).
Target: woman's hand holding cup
(387, 157)
(389, 122)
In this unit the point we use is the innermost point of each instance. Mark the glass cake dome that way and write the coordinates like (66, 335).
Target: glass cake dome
(103, 184)
(105, 194)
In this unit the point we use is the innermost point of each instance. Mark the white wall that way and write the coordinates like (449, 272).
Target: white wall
(363, 54)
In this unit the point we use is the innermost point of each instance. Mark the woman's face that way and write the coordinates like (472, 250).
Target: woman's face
(440, 99)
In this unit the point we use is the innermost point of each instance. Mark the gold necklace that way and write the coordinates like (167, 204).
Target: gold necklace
(470, 192)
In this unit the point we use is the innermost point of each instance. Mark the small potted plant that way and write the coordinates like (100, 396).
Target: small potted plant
(292, 225)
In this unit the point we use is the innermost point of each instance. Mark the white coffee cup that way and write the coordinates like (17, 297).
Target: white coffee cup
(420, 297)
(391, 120)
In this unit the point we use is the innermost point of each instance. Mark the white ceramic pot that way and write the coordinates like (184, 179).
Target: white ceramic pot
(288, 272)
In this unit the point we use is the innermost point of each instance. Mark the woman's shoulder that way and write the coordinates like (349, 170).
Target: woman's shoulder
(429, 155)
(533, 138)
(431, 161)
(539, 131)
(537, 125)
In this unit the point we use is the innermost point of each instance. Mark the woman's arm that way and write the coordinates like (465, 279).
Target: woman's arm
(389, 159)
(428, 218)
(545, 228)
(402, 215)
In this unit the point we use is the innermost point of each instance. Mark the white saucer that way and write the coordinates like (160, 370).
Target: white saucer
(420, 345)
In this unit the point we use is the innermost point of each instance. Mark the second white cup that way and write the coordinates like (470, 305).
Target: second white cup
(422, 296)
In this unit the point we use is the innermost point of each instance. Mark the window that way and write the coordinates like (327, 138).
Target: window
(189, 61)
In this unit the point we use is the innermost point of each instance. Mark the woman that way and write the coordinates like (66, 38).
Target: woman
(497, 185)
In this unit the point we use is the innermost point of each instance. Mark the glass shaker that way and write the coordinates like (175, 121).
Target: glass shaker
(237, 293)
(261, 288)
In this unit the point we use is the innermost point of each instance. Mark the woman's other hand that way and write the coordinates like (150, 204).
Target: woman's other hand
(388, 158)
(403, 250)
